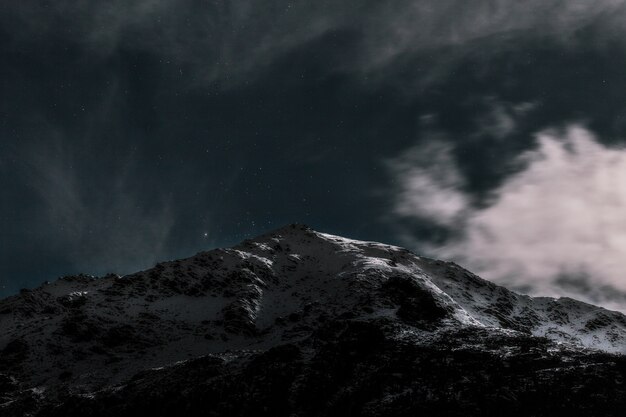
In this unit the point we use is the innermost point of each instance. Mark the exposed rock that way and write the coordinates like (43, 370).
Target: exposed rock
(301, 323)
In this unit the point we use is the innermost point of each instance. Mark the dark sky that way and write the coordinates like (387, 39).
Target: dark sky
(490, 132)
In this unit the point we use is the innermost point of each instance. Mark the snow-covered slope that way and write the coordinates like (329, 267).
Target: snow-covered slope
(279, 288)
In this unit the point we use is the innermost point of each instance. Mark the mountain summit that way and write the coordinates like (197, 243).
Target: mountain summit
(301, 323)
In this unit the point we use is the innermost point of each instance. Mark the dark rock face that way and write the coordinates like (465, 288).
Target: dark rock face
(417, 306)
(299, 323)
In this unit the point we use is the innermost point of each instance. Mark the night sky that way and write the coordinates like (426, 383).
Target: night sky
(489, 132)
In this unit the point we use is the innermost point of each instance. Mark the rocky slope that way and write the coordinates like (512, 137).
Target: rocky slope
(302, 323)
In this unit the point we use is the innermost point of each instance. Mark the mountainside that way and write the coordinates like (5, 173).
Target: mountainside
(303, 323)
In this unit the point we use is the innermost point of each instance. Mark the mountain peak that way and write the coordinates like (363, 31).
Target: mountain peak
(285, 287)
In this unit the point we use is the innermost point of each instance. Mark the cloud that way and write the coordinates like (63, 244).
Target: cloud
(427, 184)
(501, 120)
(99, 223)
(231, 41)
(557, 227)
(204, 41)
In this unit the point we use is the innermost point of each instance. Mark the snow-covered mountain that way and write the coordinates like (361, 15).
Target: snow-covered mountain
(83, 340)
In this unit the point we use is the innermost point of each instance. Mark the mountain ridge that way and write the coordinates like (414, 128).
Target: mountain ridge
(287, 291)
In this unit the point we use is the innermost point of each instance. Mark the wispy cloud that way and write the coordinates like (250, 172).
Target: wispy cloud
(232, 40)
(501, 121)
(555, 228)
(98, 222)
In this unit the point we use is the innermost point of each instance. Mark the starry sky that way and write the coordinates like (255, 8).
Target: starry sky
(489, 132)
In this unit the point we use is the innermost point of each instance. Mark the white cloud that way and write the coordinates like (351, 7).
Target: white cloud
(563, 215)
(427, 184)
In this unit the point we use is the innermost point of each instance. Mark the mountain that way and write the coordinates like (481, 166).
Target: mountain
(302, 323)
